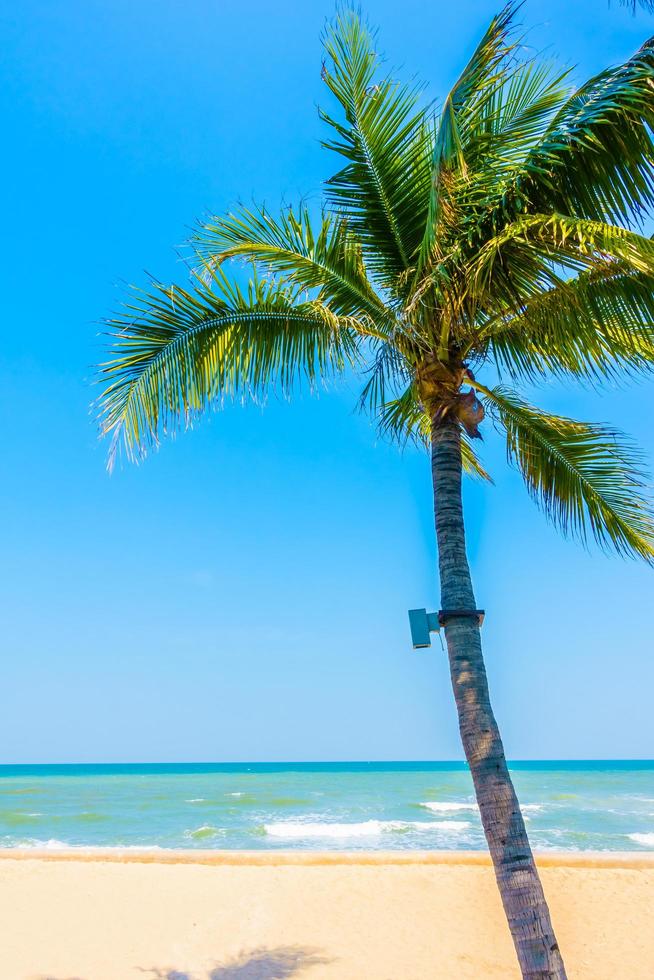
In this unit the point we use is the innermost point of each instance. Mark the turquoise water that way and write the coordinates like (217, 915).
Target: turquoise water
(567, 805)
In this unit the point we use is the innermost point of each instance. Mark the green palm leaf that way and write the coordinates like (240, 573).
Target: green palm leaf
(404, 419)
(179, 352)
(595, 158)
(384, 139)
(530, 253)
(511, 120)
(329, 261)
(472, 90)
(600, 324)
(587, 481)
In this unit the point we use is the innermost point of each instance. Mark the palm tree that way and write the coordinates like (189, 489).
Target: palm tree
(498, 235)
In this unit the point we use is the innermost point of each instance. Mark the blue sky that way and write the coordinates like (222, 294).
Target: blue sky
(243, 594)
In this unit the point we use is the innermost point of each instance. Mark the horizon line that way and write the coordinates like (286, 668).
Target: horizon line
(319, 762)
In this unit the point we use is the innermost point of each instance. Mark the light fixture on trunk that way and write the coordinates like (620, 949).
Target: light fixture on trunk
(423, 623)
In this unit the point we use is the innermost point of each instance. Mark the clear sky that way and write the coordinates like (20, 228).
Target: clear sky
(243, 594)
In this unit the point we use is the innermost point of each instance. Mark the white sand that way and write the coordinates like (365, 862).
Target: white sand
(301, 916)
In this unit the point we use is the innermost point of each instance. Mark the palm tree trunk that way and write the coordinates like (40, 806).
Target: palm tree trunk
(515, 870)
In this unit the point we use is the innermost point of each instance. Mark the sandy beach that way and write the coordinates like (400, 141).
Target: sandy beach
(268, 916)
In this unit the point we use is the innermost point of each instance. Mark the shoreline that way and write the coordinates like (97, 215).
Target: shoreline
(317, 858)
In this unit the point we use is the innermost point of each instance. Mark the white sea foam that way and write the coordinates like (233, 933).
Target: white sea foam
(448, 807)
(199, 799)
(647, 840)
(53, 844)
(369, 828)
(234, 794)
(44, 845)
(438, 807)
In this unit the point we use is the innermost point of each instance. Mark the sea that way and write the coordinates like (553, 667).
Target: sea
(568, 806)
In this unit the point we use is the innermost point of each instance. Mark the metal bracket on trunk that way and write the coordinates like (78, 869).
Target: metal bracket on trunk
(445, 614)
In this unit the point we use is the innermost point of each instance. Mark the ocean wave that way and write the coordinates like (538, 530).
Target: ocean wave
(196, 799)
(369, 828)
(34, 844)
(647, 840)
(438, 807)
(41, 845)
(447, 807)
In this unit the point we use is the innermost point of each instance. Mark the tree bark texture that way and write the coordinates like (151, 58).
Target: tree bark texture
(515, 869)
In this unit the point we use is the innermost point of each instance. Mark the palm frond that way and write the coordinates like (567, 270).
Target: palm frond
(387, 373)
(645, 4)
(511, 120)
(470, 461)
(530, 253)
(473, 92)
(597, 325)
(385, 140)
(479, 77)
(178, 352)
(328, 261)
(587, 481)
(403, 419)
(596, 158)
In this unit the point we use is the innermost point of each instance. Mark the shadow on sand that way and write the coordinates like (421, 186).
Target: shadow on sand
(282, 963)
